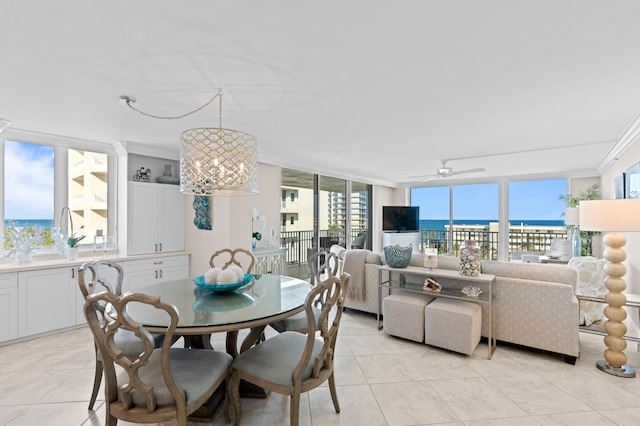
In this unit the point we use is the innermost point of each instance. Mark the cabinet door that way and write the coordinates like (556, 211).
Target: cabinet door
(8, 306)
(142, 224)
(139, 273)
(47, 300)
(171, 216)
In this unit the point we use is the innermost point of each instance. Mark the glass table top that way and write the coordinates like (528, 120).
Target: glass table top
(263, 297)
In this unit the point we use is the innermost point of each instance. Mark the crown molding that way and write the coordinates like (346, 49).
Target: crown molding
(628, 137)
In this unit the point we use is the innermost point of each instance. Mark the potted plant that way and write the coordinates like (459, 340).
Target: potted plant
(72, 246)
(573, 202)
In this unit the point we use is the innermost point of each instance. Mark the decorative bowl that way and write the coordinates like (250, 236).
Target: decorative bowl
(221, 288)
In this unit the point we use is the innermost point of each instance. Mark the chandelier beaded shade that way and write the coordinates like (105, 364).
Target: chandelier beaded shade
(213, 160)
(217, 161)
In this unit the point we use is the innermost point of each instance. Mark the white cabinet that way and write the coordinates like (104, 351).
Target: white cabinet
(155, 218)
(47, 300)
(8, 306)
(139, 273)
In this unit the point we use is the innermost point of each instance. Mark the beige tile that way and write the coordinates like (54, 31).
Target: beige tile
(441, 364)
(347, 372)
(419, 404)
(76, 387)
(30, 386)
(388, 368)
(623, 416)
(581, 384)
(591, 418)
(382, 344)
(69, 413)
(537, 395)
(509, 421)
(476, 399)
(8, 412)
(273, 410)
(358, 407)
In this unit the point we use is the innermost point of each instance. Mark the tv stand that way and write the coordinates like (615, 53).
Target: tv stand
(402, 238)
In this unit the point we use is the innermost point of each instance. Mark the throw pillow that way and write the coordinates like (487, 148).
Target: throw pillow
(397, 256)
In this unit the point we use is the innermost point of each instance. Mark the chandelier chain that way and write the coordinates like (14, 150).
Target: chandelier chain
(129, 101)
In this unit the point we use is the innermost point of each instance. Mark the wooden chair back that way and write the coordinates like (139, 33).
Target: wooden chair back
(328, 296)
(322, 264)
(129, 394)
(227, 257)
(94, 277)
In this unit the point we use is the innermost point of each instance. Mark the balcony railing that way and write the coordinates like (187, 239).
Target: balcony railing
(299, 243)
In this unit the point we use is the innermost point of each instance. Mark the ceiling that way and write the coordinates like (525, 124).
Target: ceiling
(375, 91)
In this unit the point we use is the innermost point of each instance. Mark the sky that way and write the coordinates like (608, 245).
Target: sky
(528, 200)
(28, 181)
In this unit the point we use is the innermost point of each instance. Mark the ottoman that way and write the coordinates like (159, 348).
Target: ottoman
(453, 324)
(404, 315)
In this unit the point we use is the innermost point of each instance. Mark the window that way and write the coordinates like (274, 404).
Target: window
(291, 220)
(40, 180)
(29, 186)
(536, 215)
(449, 215)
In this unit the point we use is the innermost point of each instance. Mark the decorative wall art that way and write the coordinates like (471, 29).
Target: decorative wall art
(201, 207)
(619, 185)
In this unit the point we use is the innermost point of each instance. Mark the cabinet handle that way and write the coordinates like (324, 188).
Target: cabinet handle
(158, 262)
(156, 274)
(160, 246)
(160, 273)
(73, 272)
(156, 245)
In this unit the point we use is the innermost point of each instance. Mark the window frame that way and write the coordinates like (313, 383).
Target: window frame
(61, 146)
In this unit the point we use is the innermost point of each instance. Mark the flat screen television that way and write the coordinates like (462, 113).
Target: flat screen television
(400, 218)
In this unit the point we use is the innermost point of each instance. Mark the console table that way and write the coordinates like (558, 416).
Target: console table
(452, 282)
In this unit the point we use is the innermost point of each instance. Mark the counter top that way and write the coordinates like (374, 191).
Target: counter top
(45, 261)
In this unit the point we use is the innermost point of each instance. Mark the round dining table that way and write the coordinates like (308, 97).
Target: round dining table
(263, 300)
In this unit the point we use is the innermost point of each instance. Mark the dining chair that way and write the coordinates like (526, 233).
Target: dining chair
(157, 384)
(291, 363)
(230, 257)
(321, 264)
(105, 275)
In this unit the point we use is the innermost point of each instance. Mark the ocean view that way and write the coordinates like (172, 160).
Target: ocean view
(440, 224)
(45, 223)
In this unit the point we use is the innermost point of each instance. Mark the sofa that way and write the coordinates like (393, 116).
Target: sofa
(535, 303)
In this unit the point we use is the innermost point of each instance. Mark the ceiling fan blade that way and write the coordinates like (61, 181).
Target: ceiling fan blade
(461, 172)
(431, 178)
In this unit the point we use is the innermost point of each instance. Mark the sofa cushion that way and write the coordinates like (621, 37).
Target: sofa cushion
(532, 271)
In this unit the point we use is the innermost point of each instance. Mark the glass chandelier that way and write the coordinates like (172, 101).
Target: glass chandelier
(215, 161)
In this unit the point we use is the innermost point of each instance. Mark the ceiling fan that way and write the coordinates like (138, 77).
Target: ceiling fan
(445, 172)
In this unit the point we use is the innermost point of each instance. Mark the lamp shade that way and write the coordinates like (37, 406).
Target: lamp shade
(610, 215)
(572, 216)
(217, 161)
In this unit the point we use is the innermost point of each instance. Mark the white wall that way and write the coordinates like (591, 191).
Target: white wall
(231, 219)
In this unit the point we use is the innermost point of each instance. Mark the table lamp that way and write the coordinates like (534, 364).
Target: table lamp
(619, 216)
(572, 217)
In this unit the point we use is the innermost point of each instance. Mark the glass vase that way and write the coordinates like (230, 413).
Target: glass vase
(470, 259)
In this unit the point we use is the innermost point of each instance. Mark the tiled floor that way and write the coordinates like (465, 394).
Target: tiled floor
(381, 381)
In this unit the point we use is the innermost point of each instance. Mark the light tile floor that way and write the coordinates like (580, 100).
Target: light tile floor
(381, 380)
